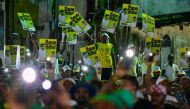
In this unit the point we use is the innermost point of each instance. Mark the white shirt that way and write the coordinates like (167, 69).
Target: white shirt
(62, 19)
(97, 65)
(7, 60)
(77, 28)
(133, 66)
(86, 28)
(170, 72)
(24, 24)
(132, 24)
(105, 23)
(53, 59)
(42, 53)
(63, 36)
(145, 26)
(124, 18)
(183, 63)
(87, 61)
(156, 58)
(146, 51)
(73, 42)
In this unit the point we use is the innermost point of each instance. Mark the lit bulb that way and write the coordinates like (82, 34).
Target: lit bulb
(130, 53)
(84, 68)
(121, 58)
(46, 84)
(79, 61)
(29, 75)
(48, 58)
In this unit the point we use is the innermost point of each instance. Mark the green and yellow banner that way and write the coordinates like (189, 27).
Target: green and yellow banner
(148, 23)
(71, 35)
(110, 21)
(78, 23)
(89, 54)
(129, 15)
(50, 46)
(11, 53)
(26, 21)
(155, 43)
(64, 13)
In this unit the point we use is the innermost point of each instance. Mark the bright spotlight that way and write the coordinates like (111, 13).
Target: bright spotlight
(121, 58)
(79, 61)
(130, 53)
(188, 53)
(28, 54)
(46, 84)
(150, 54)
(84, 68)
(6, 70)
(48, 58)
(29, 75)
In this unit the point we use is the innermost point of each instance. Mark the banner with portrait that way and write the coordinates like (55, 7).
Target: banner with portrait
(26, 21)
(129, 15)
(10, 54)
(148, 24)
(89, 55)
(110, 21)
(70, 34)
(50, 46)
(64, 13)
(78, 23)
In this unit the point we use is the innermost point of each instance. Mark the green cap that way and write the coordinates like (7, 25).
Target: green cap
(120, 98)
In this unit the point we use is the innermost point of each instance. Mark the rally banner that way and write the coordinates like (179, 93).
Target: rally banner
(89, 55)
(50, 46)
(129, 15)
(110, 21)
(64, 13)
(10, 54)
(148, 23)
(70, 34)
(78, 23)
(155, 43)
(26, 21)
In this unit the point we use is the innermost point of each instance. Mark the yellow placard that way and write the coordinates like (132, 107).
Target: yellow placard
(78, 23)
(64, 13)
(26, 21)
(50, 46)
(148, 23)
(129, 15)
(110, 21)
(90, 53)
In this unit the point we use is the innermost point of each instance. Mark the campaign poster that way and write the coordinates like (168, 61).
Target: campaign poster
(64, 13)
(10, 54)
(89, 55)
(148, 24)
(50, 46)
(78, 23)
(26, 21)
(70, 34)
(110, 21)
(155, 45)
(129, 15)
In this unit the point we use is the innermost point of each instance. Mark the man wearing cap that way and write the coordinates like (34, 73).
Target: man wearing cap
(105, 53)
(66, 72)
(170, 69)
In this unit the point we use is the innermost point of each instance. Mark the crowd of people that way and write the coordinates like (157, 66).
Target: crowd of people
(135, 84)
